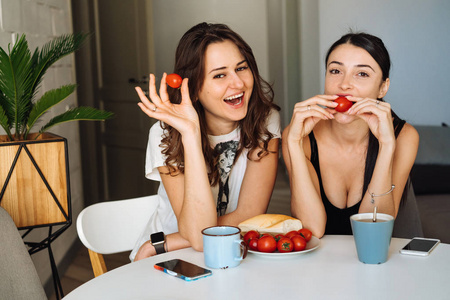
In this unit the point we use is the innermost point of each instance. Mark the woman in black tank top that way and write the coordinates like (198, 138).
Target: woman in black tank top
(366, 152)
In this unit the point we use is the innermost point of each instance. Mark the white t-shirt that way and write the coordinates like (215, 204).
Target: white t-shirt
(164, 218)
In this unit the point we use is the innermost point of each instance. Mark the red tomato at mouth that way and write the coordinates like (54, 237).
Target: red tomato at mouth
(285, 245)
(267, 244)
(250, 235)
(306, 234)
(299, 242)
(174, 80)
(343, 104)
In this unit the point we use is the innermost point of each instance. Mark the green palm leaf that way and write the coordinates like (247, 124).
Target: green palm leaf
(4, 122)
(6, 102)
(48, 100)
(78, 114)
(16, 83)
(53, 51)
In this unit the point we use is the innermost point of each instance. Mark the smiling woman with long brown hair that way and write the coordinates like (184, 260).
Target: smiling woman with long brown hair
(223, 111)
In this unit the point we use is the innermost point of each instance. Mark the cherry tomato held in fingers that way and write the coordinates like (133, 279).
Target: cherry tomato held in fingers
(267, 244)
(343, 104)
(285, 245)
(250, 235)
(299, 242)
(253, 244)
(306, 234)
(174, 80)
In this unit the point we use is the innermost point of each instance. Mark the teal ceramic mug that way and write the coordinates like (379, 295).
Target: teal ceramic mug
(223, 247)
(372, 239)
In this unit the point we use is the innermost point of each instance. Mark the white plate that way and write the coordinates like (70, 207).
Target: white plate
(312, 245)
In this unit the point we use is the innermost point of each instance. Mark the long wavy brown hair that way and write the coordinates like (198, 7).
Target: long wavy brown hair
(190, 63)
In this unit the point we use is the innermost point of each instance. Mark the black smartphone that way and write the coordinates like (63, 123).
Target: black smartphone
(420, 246)
(183, 269)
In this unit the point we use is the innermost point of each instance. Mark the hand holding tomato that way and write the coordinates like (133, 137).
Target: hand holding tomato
(183, 117)
(378, 116)
(307, 114)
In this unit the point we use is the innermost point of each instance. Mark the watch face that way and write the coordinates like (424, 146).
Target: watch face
(157, 237)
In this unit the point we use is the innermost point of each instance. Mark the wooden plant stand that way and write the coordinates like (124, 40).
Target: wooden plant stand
(35, 189)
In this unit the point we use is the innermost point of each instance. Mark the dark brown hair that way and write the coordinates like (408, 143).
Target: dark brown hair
(372, 44)
(189, 63)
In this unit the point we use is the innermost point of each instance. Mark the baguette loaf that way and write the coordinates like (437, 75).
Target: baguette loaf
(271, 223)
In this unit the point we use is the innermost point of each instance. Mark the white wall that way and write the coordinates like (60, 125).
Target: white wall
(248, 18)
(417, 35)
(42, 20)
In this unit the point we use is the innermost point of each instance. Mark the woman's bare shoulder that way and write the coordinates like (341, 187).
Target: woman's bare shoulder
(408, 134)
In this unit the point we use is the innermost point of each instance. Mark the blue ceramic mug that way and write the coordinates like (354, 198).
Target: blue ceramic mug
(372, 239)
(223, 247)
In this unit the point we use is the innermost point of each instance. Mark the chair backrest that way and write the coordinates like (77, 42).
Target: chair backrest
(408, 223)
(115, 226)
(19, 279)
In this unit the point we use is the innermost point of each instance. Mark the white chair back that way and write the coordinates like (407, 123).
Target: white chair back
(114, 226)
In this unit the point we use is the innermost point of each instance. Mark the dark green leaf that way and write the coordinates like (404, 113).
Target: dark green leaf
(4, 122)
(48, 100)
(78, 114)
(16, 84)
(53, 51)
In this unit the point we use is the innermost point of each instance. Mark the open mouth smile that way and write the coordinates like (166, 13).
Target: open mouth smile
(235, 99)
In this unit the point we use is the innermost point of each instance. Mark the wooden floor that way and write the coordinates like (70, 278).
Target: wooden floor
(80, 270)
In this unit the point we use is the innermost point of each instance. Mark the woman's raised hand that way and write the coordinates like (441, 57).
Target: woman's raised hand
(183, 117)
(377, 114)
(308, 113)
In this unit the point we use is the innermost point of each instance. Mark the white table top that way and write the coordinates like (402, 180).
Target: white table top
(332, 271)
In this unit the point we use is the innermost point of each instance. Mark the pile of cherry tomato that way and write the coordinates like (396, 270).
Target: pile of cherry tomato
(295, 240)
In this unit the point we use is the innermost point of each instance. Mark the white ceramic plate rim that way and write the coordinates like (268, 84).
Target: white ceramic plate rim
(312, 245)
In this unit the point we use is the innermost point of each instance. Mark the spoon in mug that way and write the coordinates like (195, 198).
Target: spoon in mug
(374, 218)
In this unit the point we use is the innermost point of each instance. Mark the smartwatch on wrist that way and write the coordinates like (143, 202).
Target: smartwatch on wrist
(158, 240)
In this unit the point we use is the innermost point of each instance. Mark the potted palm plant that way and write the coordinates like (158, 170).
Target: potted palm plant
(34, 183)
(34, 168)
(20, 76)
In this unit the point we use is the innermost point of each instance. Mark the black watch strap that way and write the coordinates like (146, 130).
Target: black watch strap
(159, 247)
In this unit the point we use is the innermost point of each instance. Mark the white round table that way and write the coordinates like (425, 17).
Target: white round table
(332, 271)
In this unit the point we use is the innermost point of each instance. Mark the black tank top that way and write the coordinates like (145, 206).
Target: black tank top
(338, 220)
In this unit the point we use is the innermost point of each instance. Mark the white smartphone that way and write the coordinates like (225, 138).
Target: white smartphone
(420, 246)
(183, 269)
